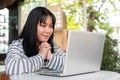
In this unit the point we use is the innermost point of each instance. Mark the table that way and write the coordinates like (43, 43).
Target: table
(101, 75)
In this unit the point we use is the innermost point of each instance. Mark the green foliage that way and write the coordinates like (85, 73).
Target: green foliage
(16, 4)
(110, 60)
(53, 1)
(70, 8)
(20, 2)
(72, 25)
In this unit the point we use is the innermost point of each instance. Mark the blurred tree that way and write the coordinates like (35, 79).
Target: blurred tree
(72, 10)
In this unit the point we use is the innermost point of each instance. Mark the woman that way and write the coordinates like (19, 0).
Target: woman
(34, 48)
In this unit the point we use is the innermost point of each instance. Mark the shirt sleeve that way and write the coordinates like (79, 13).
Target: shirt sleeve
(16, 62)
(57, 59)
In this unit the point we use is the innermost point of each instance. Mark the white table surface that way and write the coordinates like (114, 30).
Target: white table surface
(101, 75)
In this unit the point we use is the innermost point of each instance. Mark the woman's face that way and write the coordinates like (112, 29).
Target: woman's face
(45, 30)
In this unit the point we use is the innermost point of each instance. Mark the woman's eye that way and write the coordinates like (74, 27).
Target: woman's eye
(50, 26)
(42, 25)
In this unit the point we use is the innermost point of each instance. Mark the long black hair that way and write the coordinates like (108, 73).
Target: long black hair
(29, 32)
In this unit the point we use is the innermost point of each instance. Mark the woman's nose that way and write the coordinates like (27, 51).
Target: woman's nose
(47, 29)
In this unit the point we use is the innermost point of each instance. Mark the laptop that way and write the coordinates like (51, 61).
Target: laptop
(83, 54)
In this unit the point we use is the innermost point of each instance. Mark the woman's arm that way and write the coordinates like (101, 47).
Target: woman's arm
(17, 63)
(57, 59)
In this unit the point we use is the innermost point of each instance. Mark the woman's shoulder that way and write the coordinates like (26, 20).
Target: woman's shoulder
(16, 45)
(16, 48)
(17, 42)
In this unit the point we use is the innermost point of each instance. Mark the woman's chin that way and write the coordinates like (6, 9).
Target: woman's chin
(45, 40)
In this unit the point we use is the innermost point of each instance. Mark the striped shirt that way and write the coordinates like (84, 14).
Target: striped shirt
(17, 62)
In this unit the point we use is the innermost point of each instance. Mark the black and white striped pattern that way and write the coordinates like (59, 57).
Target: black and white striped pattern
(17, 62)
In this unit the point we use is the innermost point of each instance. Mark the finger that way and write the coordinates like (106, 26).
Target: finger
(45, 44)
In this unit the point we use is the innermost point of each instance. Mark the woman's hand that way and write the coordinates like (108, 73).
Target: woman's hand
(45, 50)
(48, 55)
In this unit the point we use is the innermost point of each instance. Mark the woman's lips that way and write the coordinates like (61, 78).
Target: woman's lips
(46, 36)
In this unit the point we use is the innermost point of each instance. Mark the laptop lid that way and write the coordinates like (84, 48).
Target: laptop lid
(84, 52)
